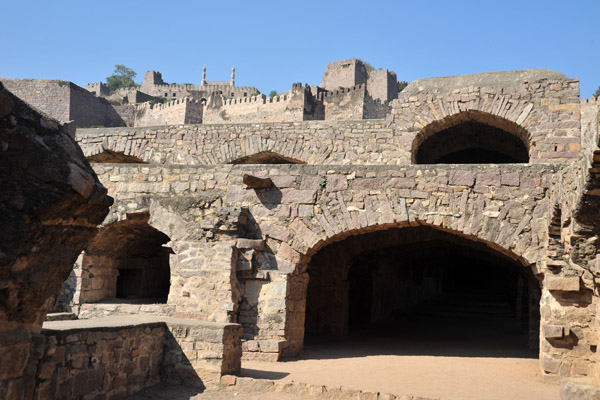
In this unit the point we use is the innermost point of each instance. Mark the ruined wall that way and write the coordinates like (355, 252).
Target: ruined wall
(65, 101)
(117, 357)
(508, 201)
(125, 359)
(548, 109)
(97, 88)
(345, 73)
(382, 85)
(127, 114)
(288, 107)
(545, 115)
(50, 97)
(344, 104)
(88, 110)
(176, 112)
(203, 281)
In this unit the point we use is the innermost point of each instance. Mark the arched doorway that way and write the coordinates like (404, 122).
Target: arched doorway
(426, 290)
(472, 137)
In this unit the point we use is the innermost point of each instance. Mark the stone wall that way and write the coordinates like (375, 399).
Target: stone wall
(203, 281)
(382, 85)
(116, 357)
(176, 112)
(287, 107)
(65, 101)
(109, 361)
(50, 97)
(547, 111)
(545, 117)
(199, 353)
(509, 200)
(345, 104)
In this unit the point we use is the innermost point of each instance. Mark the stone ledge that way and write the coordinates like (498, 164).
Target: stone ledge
(127, 321)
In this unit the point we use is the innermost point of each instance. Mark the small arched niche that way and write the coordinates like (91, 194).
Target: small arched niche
(472, 137)
(266, 157)
(127, 261)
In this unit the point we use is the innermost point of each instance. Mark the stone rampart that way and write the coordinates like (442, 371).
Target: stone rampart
(344, 104)
(176, 112)
(65, 101)
(287, 107)
(544, 116)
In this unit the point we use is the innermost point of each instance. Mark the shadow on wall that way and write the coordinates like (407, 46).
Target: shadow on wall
(176, 367)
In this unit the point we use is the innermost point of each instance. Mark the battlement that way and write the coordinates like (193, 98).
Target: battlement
(98, 88)
(591, 100)
(149, 106)
(339, 92)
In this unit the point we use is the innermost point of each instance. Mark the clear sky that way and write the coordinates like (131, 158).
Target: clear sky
(273, 44)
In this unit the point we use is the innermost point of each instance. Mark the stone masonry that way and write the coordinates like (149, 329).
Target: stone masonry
(248, 251)
(256, 217)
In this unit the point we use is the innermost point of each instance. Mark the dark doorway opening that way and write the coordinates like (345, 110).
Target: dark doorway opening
(129, 262)
(423, 291)
(472, 142)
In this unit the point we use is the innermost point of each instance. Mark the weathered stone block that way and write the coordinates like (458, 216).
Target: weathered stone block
(562, 284)
(579, 390)
(554, 331)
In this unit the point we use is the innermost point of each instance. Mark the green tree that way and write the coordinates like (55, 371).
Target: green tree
(597, 94)
(273, 93)
(122, 77)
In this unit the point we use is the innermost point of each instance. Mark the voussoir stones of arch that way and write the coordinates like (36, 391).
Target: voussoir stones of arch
(50, 204)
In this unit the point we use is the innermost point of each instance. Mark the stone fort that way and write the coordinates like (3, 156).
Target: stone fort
(242, 224)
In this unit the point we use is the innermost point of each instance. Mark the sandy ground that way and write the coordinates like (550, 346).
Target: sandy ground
(453, 354)
(446, 378)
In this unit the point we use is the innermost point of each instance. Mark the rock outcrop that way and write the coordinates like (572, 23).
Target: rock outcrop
(50, 204)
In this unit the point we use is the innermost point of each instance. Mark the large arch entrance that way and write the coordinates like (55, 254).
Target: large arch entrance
(472, 137)
(426, 290)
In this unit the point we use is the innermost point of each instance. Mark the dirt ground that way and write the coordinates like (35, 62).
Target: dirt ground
(447, 355)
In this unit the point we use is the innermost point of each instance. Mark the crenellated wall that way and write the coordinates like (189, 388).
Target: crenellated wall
(176, 112)
(288, 107)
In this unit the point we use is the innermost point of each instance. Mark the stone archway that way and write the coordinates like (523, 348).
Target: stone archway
(416, 276)
(471, 137)
(398, 241)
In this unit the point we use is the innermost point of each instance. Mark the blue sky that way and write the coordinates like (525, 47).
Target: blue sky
(275, 43)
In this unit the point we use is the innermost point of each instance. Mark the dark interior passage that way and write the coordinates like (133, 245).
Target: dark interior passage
(136, 251)
(427, 290)
(472, 142)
